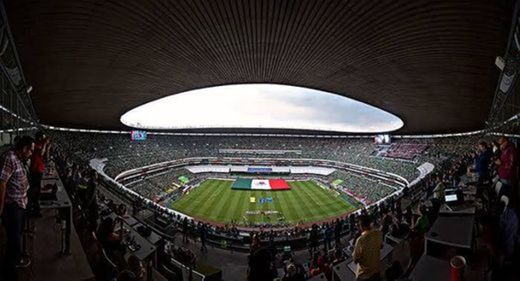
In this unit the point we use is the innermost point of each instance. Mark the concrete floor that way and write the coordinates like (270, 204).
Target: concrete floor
(47, 264)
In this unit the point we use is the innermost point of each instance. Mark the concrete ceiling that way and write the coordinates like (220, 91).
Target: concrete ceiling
(429, 62)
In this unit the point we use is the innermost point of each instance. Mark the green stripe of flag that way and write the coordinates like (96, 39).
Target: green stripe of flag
(242, 184)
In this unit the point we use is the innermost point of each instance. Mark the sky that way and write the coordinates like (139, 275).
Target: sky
(261, 106)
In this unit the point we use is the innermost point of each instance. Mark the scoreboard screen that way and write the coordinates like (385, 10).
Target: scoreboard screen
(259, 170)
(382, 139)
(138, 135)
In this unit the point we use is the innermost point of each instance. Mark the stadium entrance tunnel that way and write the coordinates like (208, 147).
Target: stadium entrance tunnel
(266, 106)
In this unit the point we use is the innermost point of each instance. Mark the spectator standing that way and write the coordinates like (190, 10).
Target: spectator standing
(260, 265)
(438, 191)
(495, 148)
(90, 204)
(337, 232)
(398, 208)
(82, 186)
(367, 251)
(185, 230)
(408, 216)
(351, 222)
(327, 237)
(482, 162)
(203, 235)
(14, 185)
(506, 167)
(386, 222)
(313, 239)
(37, 169)
(423, 223)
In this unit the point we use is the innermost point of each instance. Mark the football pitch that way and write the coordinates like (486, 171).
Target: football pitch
(306, 202)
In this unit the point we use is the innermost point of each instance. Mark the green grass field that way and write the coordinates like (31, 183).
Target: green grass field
(306, 202)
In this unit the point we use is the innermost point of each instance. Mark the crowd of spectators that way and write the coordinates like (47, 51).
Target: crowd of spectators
(365, 190)
(495, 165)
(124, 154)
(494, 172)
(158, 187)
(117, 146)
(406, 151)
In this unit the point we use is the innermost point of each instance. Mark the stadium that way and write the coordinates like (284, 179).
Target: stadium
(304, 192)
(259, 140)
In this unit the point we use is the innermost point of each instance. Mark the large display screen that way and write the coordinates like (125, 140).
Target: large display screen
(259, 170)
(382, 139)
(138, 135)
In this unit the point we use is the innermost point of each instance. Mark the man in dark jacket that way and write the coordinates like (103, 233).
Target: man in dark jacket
(482, 162)
(338, 226)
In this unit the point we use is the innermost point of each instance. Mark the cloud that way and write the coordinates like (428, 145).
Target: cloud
(261, 106)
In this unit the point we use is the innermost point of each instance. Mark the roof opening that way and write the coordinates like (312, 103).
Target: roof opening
(267, 106)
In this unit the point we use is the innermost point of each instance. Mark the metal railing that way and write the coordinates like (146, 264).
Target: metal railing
(506, 102)
(16, 109)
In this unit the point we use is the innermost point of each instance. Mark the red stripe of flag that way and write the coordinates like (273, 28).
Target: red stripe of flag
(278, 184)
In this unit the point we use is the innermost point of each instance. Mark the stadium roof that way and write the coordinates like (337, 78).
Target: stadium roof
(429, 62)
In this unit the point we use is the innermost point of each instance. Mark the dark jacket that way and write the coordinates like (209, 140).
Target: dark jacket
(482, 162)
